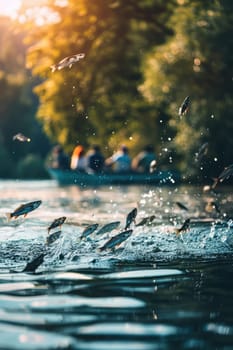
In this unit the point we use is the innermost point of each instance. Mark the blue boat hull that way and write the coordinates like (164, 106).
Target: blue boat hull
(69, 177)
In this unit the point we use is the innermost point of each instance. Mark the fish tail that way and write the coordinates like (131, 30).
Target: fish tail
(9, 216)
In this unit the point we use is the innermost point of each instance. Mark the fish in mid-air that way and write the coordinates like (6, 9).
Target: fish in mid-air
(20, 137)
(67, 61)
(184, 106)
(89, 230)
(24, 209)
(184, 227)
(146, 221)
(181, 206)
(57, 222)
(225, 174)
(116, 240)
(36, 262)
(201, 152)
(108, 227)
(53, 237)
(131, 218)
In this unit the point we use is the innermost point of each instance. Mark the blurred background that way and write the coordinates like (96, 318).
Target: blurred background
(142, 58)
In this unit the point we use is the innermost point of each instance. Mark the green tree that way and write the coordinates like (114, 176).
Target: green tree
(17, 103)
(196, 61)
(97, 100)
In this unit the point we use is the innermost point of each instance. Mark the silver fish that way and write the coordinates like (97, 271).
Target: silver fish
(53, 237)
(67, 61)
(116, 240)
(24, 209)
(146, 221)
(201, 152)
(57, 222)
(181, 206)
(20, 137)
(89, 230)
(184, 106)
(36, 262)
(225, 174)
(131, 218)
(108, 227)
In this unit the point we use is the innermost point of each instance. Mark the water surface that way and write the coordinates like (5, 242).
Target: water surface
(157, 290)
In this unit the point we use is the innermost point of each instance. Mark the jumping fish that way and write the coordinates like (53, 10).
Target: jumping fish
(225, 174)
(24, 209)
(53, 237)
(20, 137)
(89, 230)
(34, 264)
(146, 221)
(67, 61)
(57, 222)
(201, 152)
(116, 240)
(184, 227)
(131, 218)
(181, 206)
(184, 106)
(108, 227)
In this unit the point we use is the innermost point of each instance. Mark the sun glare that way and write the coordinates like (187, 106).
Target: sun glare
(9, 8)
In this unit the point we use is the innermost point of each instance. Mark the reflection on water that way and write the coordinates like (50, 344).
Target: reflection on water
(158, 290)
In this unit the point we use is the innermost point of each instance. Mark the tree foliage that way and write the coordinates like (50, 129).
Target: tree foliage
(196, 61)
(97, 100)
(142, 58)
(17, 103)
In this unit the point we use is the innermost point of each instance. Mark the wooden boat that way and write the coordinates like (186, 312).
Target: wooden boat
(70, 177)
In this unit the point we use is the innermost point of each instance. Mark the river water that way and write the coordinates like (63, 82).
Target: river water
(157, 290)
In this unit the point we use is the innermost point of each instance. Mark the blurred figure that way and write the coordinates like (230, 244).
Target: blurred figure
(95, 160)
(78, 159)
(120, 160)
(142, 161)
(59, 159)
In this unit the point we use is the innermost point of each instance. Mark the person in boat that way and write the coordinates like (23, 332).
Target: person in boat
(59, 159)
(78, 159)
(142, 162)
(95, 160)
(120, 161)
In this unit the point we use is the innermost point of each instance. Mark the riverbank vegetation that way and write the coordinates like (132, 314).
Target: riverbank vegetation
(142, 58)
